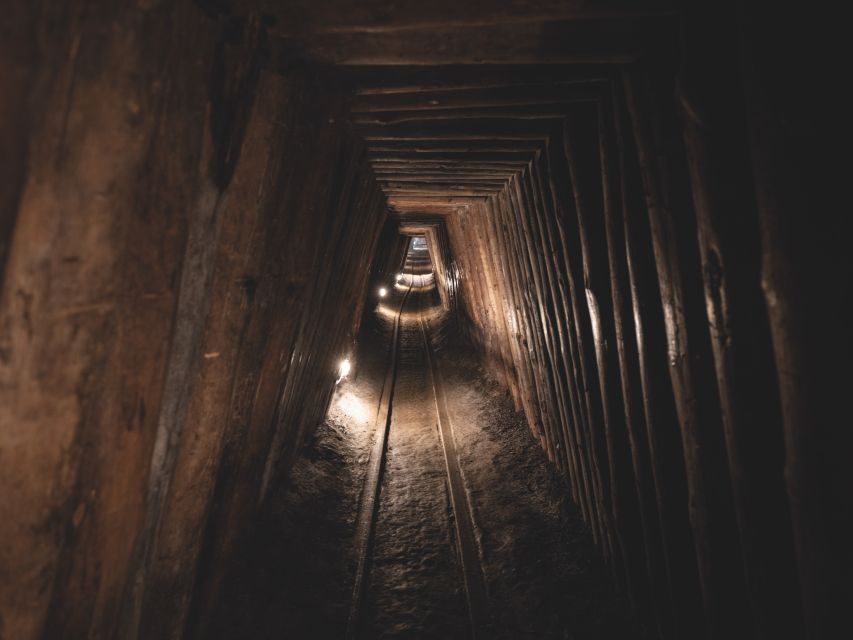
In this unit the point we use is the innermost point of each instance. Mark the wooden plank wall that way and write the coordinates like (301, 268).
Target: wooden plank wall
(639, 243)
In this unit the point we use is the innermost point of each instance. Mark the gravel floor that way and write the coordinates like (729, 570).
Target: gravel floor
(415, 586)
(543, 572)
(293, 576)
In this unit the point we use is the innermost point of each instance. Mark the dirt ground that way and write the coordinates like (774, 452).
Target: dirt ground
(294, 573)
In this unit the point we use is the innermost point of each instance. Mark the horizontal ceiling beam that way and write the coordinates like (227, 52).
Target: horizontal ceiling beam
(477, 181)
(445, 156)
(446, 177)
(412, 193)
(447, 174)
(453, 98)
(377, 81)
(495, 112)
(436, 200)
(448, 166)
(605, 41)
(376, 149)
(295, 17)
(465, 184)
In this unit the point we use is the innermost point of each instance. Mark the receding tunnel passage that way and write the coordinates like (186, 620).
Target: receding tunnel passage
(406, 533)
(405, 319)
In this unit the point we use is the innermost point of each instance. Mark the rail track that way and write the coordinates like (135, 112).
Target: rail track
(466, 543)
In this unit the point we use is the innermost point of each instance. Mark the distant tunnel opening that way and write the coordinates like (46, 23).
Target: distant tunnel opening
(429, 319)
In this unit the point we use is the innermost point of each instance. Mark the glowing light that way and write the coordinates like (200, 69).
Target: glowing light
(343, 369)
(399, 277)
(353, 407)
(383, 292)
(386, 312)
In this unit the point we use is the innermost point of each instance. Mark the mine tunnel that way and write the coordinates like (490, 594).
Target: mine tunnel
(404, 319)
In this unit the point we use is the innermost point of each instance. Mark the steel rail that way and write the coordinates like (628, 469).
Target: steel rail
(467, 545)
(366, 524)
(466, 540)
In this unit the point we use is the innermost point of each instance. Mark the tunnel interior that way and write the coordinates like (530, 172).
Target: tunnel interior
(506, 318)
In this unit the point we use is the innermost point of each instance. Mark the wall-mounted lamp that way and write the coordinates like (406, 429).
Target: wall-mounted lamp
(343, 370)
(383, 292)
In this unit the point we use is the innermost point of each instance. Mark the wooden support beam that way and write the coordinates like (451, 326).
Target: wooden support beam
(452, 146)
(513, 213)
(466, 129)
(717, 145)
(459, 156)
(426, 179)
(592, 175)
(546, 249)
(529, 218)
(374, 80)
(447, 164)
(426, 191)
(579, 338)
(485, 112)
(612, 41)
(455, 200)
(691, 371)
(614, 163)
(442, 176)
(658, 404)
(557, 174)
(376, 17)
(453, 98)
(390, 185)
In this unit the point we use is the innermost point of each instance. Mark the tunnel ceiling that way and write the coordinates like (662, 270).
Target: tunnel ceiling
(455, 99)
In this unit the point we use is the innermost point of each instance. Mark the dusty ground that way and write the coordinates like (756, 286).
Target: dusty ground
(294, 575)
(415, 586)
(544, 574)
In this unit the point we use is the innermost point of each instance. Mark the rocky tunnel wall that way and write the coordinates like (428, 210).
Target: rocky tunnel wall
(189, 244)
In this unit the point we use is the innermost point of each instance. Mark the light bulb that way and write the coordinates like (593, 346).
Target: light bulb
(383, 292)
(344, 369)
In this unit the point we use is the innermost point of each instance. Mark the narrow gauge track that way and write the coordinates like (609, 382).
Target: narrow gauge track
(466, 543)
(469, 555)
(365, 525)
